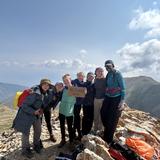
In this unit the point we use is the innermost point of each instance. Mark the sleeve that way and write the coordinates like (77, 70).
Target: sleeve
(28, 103)
(122, 86)
(55, 102)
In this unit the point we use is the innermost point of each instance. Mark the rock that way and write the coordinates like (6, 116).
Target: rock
(91, 145)
(88, 155)
(138, 122)
(102, 151)
(90, 137)
(96, 145)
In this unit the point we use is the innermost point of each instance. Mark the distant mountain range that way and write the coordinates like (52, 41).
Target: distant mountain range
(7, 92)
(142, 93)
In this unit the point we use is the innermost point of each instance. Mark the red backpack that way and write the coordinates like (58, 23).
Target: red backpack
(23, 96)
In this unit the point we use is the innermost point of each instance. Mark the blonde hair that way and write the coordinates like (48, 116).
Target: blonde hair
(66, 75)
(80, 73)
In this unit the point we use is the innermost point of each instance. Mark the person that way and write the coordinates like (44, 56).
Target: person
(53, 99)
(88, 105)
(99, 85)
(30, 114)
(66, 108)
(79, 82)
(113, 102)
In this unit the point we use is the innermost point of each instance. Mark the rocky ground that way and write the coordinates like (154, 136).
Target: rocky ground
(132, 123)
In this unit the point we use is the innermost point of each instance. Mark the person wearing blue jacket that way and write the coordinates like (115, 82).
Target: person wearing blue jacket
(29, 114)
(114, 101)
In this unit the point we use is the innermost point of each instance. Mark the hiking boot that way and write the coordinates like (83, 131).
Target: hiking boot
(62, 143)
(37, 148)
(53, 138)
(27, 153)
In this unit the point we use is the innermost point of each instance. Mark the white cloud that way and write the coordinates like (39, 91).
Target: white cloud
(83, 51)
(141, 58)
(68, 65)
(155, 3)
(82, 54)
(149, 20)
(9, 63)
(56, 66)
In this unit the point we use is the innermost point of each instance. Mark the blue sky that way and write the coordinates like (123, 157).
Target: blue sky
(52, 37)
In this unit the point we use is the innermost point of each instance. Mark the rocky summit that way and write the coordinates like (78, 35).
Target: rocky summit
(133, 123)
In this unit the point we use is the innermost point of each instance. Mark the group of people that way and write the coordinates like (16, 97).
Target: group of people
(102, 107)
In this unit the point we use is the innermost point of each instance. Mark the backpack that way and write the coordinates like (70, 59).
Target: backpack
(15, 99)
(63, 156)
(116, 154)
(140, 147)
(20, 97)
(125, 151)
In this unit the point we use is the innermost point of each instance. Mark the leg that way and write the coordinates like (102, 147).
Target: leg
(90, 112)
(47, 115)
(84, 120)
(26, 151)
(62, 125)
(25, 141)
(70, 128)
(104, 112)
(113, 121)
(87, 120)
(112, 114)
(100, 125)
(97, 117)
(77, 109)
(37, 131)
(36, 135)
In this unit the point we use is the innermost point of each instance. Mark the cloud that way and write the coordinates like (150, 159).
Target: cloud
(149, 20)
(66, 65)
(83, 53)
(155, 3)
(30, 73)
(141, 58)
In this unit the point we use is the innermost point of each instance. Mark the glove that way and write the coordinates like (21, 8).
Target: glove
(121, 105)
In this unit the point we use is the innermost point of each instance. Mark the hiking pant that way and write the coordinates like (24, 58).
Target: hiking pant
(77, 119)
(36, 135)
(97, 117)
(69, 119)
(87, 120)
(47, 116)
(110, 115)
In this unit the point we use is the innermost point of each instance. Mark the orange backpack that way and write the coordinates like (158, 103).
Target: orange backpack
(140, 147)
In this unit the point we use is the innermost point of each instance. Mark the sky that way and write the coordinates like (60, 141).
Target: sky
(49, 38)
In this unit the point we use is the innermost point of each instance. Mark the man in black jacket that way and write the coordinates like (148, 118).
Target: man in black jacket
(79, 82)
(88, 105)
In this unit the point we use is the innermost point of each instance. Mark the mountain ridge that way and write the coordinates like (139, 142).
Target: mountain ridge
(142, 93)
